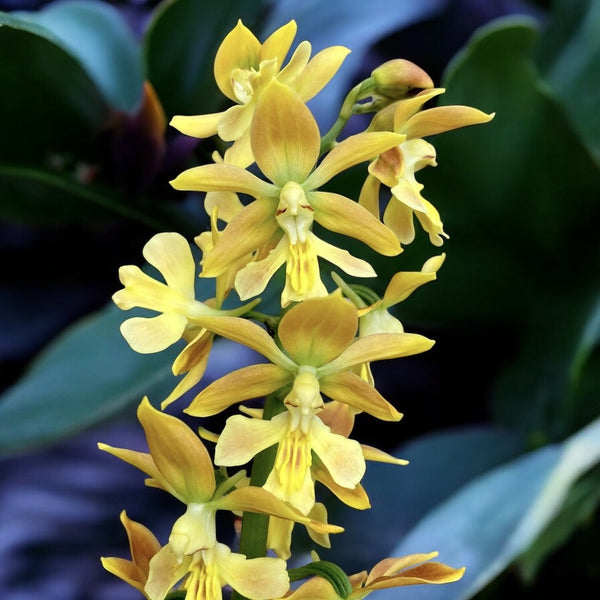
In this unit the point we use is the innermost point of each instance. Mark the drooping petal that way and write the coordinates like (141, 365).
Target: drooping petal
(200, 126)
(316, 588)
(254, 277)
(149, 335)
(351, 389)
(284, 135)
(355, 497)
(443, 118)
(239, 50)
(223, 177)
(240, 152)
(349, 152)
(278, 44)
(398, 216)
(317, 330)
(170, 253)
(243, 438)
(343, 458)
(341, 258)
(235, 122)
(250, 382)
(369, 195)
(165, 571)
(250, 228)
(178, 453)
(342, 215)
(319, 71)
(142, 542)
(430, 221)
(259, 500)
(254, 578)
(379, 346)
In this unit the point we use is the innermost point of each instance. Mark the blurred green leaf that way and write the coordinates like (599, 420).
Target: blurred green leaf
(440, 464)
(49, 104)
(492, 520)
(180, 46)
(578, 509)
(569, 58)
(86, 375)
(98, 36)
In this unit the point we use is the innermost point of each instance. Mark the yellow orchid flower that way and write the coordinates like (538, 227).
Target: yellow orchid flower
(285, 141)
(179, 463)
(143, 546)
(207, 571)
(318, 337)
(181, 314)
(244, 67)
(412, 569)
(395, 168)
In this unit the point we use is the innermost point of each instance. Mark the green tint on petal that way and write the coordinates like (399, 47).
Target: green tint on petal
(247, 383)
(284, 135)
(317, 330)
(179, 454)
(352, 151)
(342, 215)
(351, 389)
(239, 50)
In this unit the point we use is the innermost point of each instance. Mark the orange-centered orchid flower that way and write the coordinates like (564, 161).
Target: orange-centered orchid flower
(319, 351)
(244, 67)
(396, 167)
(285, 141)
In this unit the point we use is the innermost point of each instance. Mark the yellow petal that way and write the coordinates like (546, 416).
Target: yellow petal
(142, 542)
(256, 578)
(277, 45)
(126, 570)
(342, 259)
(239, 50)
(223, 177)
(235, 122)
(317, 330)
(369, 195)
(295, 66)
(249, 230)
(430, 572)
(170, 253)
(444, 118)
(349, 388)
(379, 346)
(352, 151)
(199, 126)
(404, 109)
(316, 588)
(243, 438)
(343, 458)
(319, 71)
(355, 497)
(251, 335)
(166, 569)
(284, 135)
(403, 284)
(430, 221)
(149, 335)
(250, 382)
(178, 453)
(374, 454)
(342, 215)
(398, 216)
(388, 166)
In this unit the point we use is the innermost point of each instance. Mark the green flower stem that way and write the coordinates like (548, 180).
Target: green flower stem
(349, 108)
(271, 323)
(253, 538)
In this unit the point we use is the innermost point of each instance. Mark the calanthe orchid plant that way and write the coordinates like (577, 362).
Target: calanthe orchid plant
(272, 203)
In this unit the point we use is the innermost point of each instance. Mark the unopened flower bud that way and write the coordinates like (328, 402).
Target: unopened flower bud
(395, 78)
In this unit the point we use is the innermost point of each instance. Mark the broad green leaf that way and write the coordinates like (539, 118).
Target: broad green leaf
(491, 521)
(98, 36)
(440, 464)
(50, 108)
(579, 507)
(86, 375)
(569, 57)
(180, 47)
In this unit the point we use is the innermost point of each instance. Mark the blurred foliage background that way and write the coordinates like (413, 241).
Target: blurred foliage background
(502, 417)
